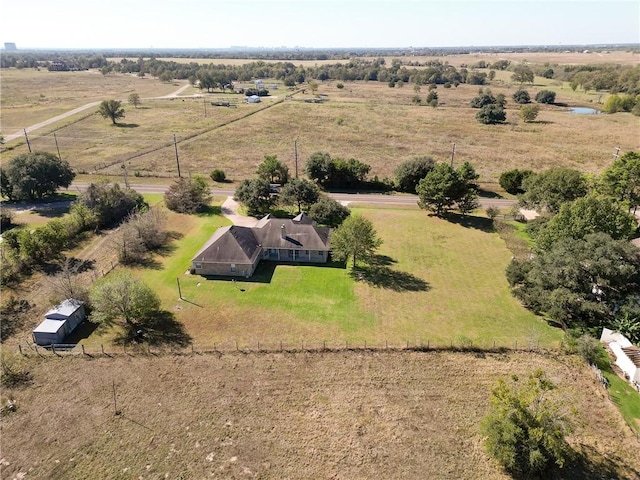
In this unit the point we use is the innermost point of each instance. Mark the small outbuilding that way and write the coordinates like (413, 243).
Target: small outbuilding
(627, 354)
(59, 322)
(253, 99)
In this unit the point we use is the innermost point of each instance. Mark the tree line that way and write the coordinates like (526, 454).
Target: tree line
(584, 273)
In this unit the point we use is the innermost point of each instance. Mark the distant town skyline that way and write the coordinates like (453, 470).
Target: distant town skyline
(202, 24)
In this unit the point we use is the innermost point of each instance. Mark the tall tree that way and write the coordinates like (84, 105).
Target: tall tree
(356, 239)
(622, 180)
(134, 99)
(525, 428)
(522, 74)
(548, 190)
(587, 215)
(444, 187)
(188, 195)
(300, 192)
(273, 170)
(256, 195)
(410, 172)
(110, 203)
(326, 211)
(34, 175)
(111, 109)
(121, 298)
(578, 283)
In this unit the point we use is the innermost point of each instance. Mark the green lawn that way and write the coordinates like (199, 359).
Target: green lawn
(436, 281)
(626, 398)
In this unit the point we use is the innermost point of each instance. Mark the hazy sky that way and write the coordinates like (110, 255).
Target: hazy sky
(311, 23)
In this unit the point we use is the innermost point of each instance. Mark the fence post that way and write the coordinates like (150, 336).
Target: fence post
(258, 345)
(428, 344)
(386, 344)
(20, 349)
(365, 344)
(237, 349)
(102, 348)
(302, 344)
(346, 344)
(53, 348)
(516, 344)
(280, 345)
(82, 345)
(214, 347)
(191, 348)
(407, 344)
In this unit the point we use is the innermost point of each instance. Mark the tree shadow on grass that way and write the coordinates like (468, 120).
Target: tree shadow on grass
(468, 221)
(488, 193)
(210, 210)
(126, 125)
(586, 463)
(378, 274)
(161, 329)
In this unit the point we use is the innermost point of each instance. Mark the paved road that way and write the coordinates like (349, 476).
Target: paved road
(369, 198)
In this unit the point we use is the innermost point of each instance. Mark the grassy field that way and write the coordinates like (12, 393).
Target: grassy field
(440, 282)
(30, 96)
(352, 415)
(365, 120)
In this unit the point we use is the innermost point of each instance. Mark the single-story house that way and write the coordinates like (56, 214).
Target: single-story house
(236, 251)
(59, 322)
(627, 354)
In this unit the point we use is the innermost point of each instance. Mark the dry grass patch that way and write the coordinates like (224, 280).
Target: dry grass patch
(366, 120)
(334, 415)
(30, 96)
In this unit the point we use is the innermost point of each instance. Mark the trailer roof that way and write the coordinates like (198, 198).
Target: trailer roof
(49, 326)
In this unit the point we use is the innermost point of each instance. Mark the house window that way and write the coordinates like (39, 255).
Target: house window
(306, 252)
(233, 267)
(198, 265)
(320, 252)
(292, 253)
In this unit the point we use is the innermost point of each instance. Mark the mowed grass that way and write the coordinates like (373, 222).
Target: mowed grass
(626, 398)
(444, 284)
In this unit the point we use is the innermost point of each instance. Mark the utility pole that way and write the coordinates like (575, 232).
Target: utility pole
(57, 147)
(453, 153)
(27, 138)
(175, 144)
(124, 173)
(617, 154)
(179, 289)
(204, 102)
(295, 154)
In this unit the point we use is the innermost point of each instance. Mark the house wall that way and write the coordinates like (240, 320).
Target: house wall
(241, 269)
(625, 363)
(287, 255)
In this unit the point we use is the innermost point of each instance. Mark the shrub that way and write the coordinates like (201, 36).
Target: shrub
(522, 97)
(340, 86)
(218, 175)
(525, 429)
(528, 113)
(492, 212)
(491, 114)
(546, 96)
(511, 180)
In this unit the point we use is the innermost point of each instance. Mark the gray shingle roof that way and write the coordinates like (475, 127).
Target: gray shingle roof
(232, 244)
(237, 244)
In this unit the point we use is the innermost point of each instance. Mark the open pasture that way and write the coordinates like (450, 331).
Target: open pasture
(355, 415)
(31, 96)
(365, 120)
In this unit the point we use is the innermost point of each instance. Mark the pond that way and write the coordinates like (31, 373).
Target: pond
(584, 111)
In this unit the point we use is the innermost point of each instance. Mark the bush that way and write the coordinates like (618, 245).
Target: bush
(546, 96)
(410, 172)
(525, 429)
(522, 97)
(340, 86)
(218, 175)
(491, 114)
(492, 212)
(591, 350)
(511, 180)
(528, 113)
